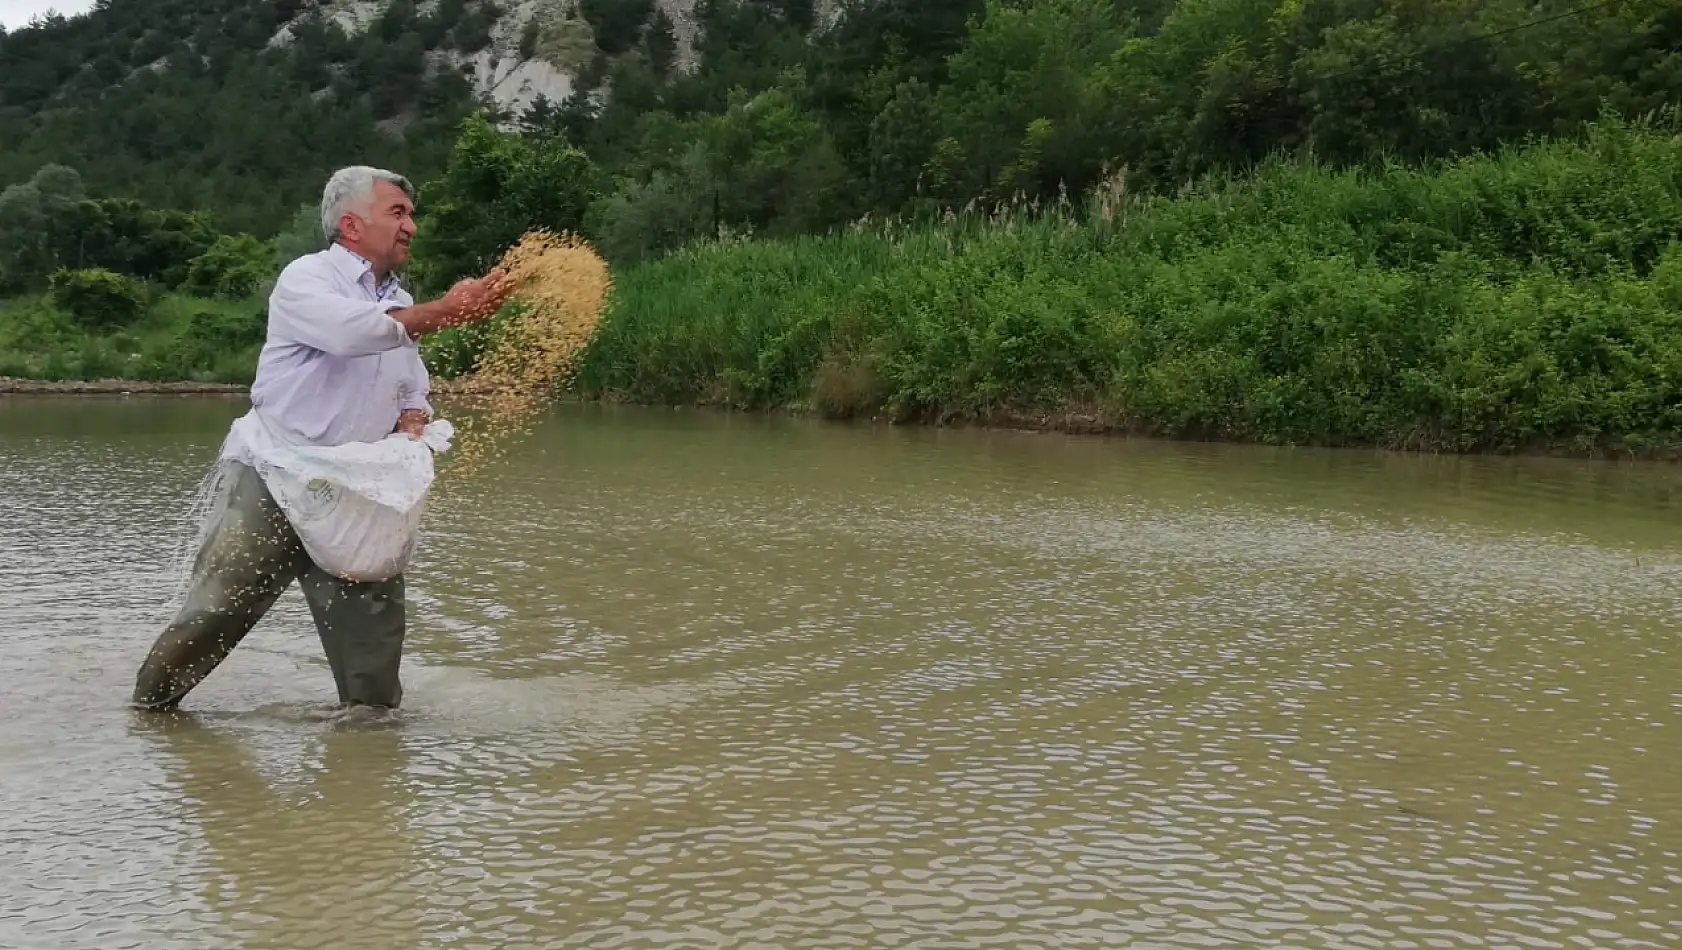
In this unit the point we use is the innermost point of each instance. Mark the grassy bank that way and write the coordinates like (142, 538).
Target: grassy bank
(1531, 299)
(1520, 301)
(178, 338)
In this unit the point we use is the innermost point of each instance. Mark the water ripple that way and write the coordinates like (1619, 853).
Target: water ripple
(686, 681)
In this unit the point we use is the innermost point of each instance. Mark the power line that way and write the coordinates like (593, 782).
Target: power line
(1547, 19)
(1463, 41)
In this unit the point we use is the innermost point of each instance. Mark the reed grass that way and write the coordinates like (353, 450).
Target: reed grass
(1530, 297)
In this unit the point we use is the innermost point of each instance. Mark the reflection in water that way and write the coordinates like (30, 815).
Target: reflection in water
(317, 855)
(679, 679)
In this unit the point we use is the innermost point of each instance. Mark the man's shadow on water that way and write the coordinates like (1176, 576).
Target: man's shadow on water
(321, 855)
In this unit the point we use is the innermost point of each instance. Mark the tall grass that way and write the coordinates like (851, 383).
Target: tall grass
(180, 338)
(1527, 298)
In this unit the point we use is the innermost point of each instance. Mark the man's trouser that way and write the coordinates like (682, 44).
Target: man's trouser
(249, 557)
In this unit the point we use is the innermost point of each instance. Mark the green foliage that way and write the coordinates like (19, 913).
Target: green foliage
(187, 105)
(660, 43)
(34, 325)
(497, 186)
(564, 41)
(912, 106)
(617, 24)
(302, 236)
(456, 352)
(223, 330)
(179, 338)
(1521, 299)
(97, 298)
(49, 223)
(124, 235)
(1022, 96)
(1307, 221)
(233, 268)
(775, 168)
(473, 33)
(33, 225)
(671, 209)
(529, 35)
(896, 107)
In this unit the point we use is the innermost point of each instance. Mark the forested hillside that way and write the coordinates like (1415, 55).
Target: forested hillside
(167, 152)
(877, 106)
(181, 103)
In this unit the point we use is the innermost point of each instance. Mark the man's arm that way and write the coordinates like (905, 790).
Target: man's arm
(466, 302)
(417, 320)
(308, 307)
(469, 301)
(415, 409)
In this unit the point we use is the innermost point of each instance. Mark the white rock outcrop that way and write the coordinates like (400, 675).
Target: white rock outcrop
(352, 16)
(514, 84)
(498, 71)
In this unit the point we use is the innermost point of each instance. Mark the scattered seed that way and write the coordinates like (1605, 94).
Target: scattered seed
(560, 288)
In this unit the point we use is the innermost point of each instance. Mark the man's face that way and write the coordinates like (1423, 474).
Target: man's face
(382, 231)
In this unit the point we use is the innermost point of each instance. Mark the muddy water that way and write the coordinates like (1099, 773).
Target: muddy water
(682, 680)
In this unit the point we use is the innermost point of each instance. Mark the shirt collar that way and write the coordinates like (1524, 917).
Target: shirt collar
(356, 267)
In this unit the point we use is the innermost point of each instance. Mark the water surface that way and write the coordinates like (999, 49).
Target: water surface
(679, 679)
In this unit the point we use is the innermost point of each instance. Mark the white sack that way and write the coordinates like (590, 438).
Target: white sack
(356, 507)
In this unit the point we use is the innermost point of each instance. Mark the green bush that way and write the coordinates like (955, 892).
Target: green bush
(34, 324)
(498, 186)
(97, 298)
(644, 220)
(1527, 298)
(226, 329)
(455, 352)
(232, 268)
(302, 236)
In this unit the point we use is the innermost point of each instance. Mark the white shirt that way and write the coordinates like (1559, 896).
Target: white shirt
(335, 367)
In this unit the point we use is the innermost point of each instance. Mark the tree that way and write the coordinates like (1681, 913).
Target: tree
(97, 298)
(496, 187)
(642, 220)
(302, 236)
(232, 268)
(775, 167)
(902, 143)
(617, 24)
(660, 43)
(1022, 98)
(35, 222)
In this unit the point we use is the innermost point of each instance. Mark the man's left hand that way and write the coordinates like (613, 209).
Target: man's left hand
(412, 423)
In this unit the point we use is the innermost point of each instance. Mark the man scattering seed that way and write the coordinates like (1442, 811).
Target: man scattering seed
(340, 364)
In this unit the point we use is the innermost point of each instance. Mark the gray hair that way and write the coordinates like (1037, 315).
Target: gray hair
(351, 187)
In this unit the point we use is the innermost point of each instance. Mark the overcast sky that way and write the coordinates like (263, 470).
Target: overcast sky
(16, 13)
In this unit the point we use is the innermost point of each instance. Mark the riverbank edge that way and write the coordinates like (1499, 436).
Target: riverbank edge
(1078, 420)
(13, 386)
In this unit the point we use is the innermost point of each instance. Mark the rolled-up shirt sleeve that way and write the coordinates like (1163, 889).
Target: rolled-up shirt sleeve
(308, 307)
(419, 391)
(417, 399)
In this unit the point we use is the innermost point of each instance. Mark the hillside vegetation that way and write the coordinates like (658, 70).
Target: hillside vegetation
(1408, 222)
(1529, 299)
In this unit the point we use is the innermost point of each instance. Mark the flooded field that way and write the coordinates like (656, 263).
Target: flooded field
(678, 679)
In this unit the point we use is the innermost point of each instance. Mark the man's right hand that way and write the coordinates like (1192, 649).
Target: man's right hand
(477, 298)
(469, 301)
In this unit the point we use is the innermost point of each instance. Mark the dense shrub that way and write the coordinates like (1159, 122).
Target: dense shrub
(1529, 297)
(226, 329)
(97, 298)
(232, 268)
(179, 338)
